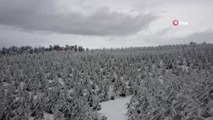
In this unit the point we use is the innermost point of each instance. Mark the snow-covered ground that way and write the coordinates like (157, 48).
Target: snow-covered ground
(46, 117)
(115, 109)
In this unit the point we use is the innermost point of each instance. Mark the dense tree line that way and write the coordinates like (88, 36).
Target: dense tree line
(165, 82)
(28, 49)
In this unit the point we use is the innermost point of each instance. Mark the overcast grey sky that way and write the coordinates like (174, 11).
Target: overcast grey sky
(104, 23)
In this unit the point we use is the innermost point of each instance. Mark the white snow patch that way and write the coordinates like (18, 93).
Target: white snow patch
(161, 80)
(70, 91)
(22, 85)
(115, 109)
(5, 84)
(111, 92)
(46, 117)
(61, 81)
(50, 81)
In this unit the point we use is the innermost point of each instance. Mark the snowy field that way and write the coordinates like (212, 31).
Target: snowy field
(115, 109)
